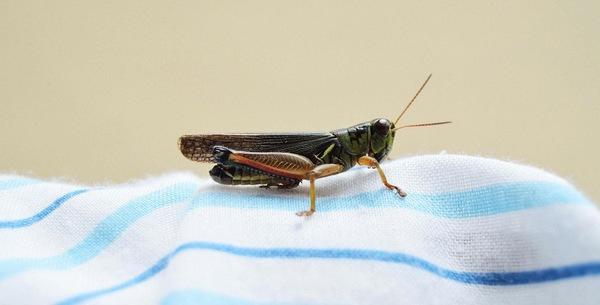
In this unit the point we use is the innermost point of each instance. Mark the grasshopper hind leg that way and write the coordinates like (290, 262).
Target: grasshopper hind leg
(271, 168)
(320, 171)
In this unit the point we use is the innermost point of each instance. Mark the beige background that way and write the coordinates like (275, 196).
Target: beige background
(101, 91)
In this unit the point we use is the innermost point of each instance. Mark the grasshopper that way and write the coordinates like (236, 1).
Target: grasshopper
(283, 160)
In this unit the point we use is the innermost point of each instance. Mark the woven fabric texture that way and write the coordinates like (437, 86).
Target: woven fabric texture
(471, 231)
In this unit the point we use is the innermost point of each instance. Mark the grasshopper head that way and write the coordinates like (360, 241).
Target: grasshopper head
(383, 130)
(382, 138)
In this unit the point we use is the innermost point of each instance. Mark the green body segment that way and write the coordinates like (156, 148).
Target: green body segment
(243, 175)
(374, 138)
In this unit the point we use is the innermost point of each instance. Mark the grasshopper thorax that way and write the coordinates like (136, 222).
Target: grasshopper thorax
(373, 138)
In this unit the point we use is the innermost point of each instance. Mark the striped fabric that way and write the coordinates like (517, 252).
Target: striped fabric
(471, 231)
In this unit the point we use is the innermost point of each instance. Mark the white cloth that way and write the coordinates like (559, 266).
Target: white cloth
(471, 231)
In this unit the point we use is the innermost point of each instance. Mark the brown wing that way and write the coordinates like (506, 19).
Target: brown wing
(199, 147)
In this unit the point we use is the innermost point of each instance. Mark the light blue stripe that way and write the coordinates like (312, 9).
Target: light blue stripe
(196, 297)
(477, 202)
(482, 201)
(16, 182)
(478, 278)
(19, 223)
(104, 233)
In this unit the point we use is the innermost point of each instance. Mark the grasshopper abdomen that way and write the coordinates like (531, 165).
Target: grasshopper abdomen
(243, 175)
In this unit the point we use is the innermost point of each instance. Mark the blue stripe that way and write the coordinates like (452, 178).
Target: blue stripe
(19, 223)
(478, 202)
(16, 182)
(482, 201)
(490, 278)
(195, 297)
(104, 233)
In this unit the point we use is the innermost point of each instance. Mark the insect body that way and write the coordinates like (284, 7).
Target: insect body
(283, 160)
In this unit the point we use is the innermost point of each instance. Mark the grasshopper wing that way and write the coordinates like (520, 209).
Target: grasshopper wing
(200, 147)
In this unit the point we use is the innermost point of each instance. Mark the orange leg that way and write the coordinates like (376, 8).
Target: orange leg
(372, 163)
(318, 172)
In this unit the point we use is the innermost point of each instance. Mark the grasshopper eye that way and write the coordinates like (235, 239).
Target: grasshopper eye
(382, 127)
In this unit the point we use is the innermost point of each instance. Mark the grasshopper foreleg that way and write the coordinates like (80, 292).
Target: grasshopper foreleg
(372, 163)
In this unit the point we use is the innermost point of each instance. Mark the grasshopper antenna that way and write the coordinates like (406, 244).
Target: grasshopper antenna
(412, 100)
(422, 125)
(408, 106)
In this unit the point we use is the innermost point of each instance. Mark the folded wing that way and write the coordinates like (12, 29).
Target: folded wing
(199, 147)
